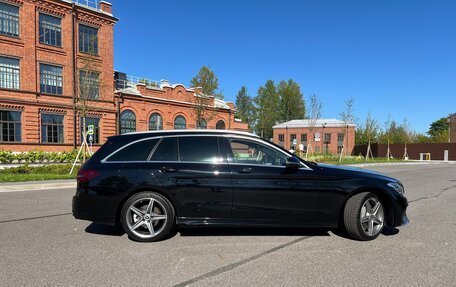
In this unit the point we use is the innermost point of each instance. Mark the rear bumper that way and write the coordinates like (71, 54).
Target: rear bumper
(94, 208)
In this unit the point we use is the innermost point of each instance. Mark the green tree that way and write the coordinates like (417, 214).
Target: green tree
(245, 110)
(208, 81)
(292, 104)
(368, 131)
(438, 131)
(267, 109)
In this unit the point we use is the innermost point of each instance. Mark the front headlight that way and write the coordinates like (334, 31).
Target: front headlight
(397, 187)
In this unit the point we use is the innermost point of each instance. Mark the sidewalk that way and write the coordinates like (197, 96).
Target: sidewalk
(37, 185)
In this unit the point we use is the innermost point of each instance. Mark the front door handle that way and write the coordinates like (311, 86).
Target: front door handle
(246, 170)
(167, 169)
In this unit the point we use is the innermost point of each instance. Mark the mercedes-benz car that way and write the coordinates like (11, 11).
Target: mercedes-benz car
(151, 182)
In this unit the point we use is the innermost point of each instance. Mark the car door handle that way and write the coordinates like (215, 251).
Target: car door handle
(246, 170)
(167, 169)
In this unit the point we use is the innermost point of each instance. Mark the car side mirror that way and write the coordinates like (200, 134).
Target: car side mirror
(293, 163)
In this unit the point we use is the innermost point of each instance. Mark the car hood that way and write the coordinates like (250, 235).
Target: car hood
(355, 172)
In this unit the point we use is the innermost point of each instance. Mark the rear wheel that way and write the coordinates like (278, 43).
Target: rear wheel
(364, 216)
(147, 217)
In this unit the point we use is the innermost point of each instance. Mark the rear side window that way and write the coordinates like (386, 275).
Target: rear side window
(199, 149)
(166, 151)
(138, 151)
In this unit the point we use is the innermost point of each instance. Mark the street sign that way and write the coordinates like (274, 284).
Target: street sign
(90, 129)
(301, 147)
(90, 138)
(295, 141)
(316, 137)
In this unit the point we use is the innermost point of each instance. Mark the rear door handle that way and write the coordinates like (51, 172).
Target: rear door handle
(167, 169)
(246, 170)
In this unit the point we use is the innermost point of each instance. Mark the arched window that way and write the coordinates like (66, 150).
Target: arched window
(180, 123)
(155, 122)
(127, 122)
(220, 125)
(202, 124)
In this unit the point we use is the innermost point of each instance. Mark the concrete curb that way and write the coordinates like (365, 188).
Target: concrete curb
(402, 163)
(36, 185)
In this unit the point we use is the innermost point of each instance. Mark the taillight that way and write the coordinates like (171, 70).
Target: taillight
(84, 175)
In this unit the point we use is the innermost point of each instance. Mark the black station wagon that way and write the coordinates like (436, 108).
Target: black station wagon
(150, 182)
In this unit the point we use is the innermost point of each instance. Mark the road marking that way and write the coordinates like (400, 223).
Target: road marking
(231, 266)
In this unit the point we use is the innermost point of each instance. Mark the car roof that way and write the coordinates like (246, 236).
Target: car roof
(191, 131)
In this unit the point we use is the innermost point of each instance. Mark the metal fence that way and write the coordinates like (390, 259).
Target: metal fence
(132, 81)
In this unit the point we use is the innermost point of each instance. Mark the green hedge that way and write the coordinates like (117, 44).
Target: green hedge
(37, 156)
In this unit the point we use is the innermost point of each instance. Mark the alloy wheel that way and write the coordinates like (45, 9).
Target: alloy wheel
(372, 216)
(146, 217)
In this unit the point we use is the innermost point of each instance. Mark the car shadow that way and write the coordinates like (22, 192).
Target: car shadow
(252, 231)
(103, 229)
(387, 231)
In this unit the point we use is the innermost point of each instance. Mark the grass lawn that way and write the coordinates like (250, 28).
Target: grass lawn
(332, 159)
(28, 173)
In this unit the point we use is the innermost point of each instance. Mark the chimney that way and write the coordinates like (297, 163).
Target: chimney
(106, 6)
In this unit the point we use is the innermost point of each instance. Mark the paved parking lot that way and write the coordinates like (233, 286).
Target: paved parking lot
(42, 244)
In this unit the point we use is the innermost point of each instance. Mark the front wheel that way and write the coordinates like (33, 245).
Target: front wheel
(147, 217)
(364, 216)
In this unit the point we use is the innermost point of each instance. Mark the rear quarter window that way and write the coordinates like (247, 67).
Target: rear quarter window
(138, 151)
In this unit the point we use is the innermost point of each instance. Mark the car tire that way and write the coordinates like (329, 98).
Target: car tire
(147, 217)
(364, 216)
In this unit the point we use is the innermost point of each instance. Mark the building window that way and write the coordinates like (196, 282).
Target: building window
(220, 125)
(88, 39)
(95, 122)
(180, 123)
(201, 124)
(51, 128)
(10, 126)
(304, 141)
(155, 122)
(327, 142)
(50, 30)
(281, 137)
(340, 142)
(9, 73)
(9, 20)
(89, 85)
(127, 122)
(292, 139)
(51, 80)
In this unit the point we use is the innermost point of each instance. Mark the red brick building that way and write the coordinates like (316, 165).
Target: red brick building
(452, 122)
(44, 50)
(324, 135)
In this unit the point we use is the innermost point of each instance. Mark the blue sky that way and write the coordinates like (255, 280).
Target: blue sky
(393, 57)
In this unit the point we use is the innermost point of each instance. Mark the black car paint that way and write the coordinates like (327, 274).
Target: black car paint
(232, 194)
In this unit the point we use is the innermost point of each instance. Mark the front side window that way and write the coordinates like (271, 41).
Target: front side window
(89, 85)
(201, 124)
(9, 73)
(180, 123)
(250, 152)
(155, 122)
(51, 128)
(88, 39)
(91, 121)
(51, 80)
(127, 122)
(9, 20)
(199, 149)
(10, 126)
(220, 125)
(138, 151)
(50, 30)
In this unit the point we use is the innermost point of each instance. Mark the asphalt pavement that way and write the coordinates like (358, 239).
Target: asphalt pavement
(41, 244)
